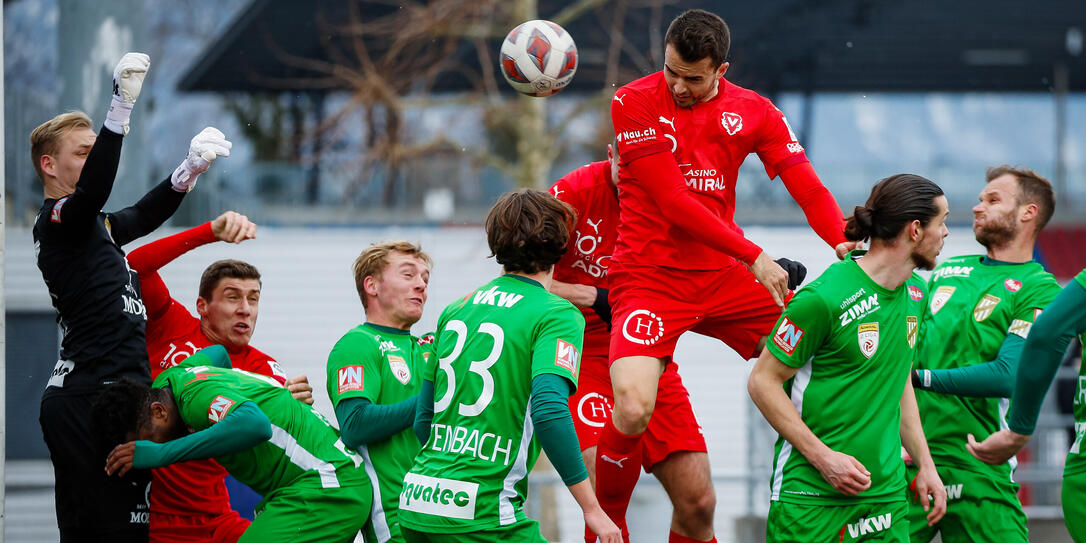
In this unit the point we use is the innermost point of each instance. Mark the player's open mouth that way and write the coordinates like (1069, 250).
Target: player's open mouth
(241, 328)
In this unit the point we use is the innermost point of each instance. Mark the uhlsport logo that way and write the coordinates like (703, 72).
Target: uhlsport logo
(350, 378)
(566, 355)
(594, 409)
(643, 326)
(731, 122)
(787, 336)
(219, 408)
(447, 498)
(868, 337)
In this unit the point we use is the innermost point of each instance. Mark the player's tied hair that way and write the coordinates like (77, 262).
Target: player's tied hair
(894, 202)
(528, 230)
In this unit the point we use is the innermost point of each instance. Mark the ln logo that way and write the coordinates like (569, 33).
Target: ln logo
(219, 407)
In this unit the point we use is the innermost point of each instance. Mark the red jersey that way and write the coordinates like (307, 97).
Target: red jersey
(196, 487)
(709, 142)
(589, 190)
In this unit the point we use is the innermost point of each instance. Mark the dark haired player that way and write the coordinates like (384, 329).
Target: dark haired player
(673, 447)
(97, 297)
(982, 308)
(315, 489)
(507, 360)
(681, 263)
(190, 501)
(835, 380)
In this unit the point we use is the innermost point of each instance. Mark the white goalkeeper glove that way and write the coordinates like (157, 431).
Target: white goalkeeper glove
(204, 148)
(127, 82)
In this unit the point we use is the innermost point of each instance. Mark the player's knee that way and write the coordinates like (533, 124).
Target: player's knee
(694, 511)
(632, 414)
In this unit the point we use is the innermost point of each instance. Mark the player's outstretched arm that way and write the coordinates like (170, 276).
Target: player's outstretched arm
(585, 296)
(994, 379)
(766, 387)
(927, 486)
(1044, 348)
(245, 427)
(128, 79)
(819, 205)
(554, 429)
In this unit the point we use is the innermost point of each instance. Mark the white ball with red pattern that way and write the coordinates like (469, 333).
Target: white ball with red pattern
(538, 58)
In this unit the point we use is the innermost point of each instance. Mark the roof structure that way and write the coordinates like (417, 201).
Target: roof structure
(777, 45)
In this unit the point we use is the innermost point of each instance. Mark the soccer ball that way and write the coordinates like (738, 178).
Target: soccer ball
(538, 58)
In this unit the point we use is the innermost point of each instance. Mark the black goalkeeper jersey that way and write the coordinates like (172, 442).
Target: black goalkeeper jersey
(95, 293)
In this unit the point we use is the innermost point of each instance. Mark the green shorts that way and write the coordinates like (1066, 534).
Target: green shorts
(978, 509)
(525, 531)
(1074, 505)
(803, 523)
(314, 515)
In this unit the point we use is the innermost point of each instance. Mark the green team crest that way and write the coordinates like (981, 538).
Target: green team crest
(984, 307)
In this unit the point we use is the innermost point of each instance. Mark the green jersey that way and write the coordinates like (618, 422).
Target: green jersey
(975, 303)
(1076, 459)
(853, 342)
(382, 365)
(471, 473)
(304, 450)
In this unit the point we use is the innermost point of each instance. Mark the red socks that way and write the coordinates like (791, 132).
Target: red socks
(676, 538)
(618, 466)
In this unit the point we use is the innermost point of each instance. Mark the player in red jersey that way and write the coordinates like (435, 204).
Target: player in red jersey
(674, 446)
(189, 502)
(680, 261)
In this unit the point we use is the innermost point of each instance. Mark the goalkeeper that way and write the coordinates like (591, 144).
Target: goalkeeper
(97, 298)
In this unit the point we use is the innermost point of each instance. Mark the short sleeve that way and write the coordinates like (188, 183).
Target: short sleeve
(556, 347)
(777, 145)
(1031, 302)
(801, 329)
(636, 125)
(204, 402)
(352, 369)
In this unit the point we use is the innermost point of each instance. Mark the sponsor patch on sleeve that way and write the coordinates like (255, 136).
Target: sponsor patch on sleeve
(566, 356)
(54, 215)
(350, 378)
(787, 336)
(1020, 328)
(219, 408)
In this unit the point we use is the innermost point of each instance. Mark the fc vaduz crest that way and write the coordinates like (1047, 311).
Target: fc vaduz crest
(732, 122)
(868, 336)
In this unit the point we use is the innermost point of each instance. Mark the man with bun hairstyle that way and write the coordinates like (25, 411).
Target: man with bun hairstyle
(834, 381)
(508, 355)
(681, 263)
(981, 310)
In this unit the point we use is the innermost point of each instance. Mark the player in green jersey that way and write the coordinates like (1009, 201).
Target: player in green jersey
(981, 310)
(508, 355)
(1054, 329)
(314, 488)
(834, 380)
(373, 374)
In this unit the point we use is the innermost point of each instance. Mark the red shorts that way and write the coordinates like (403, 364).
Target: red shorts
(224, 528)
(673, 427)
(652, 306)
